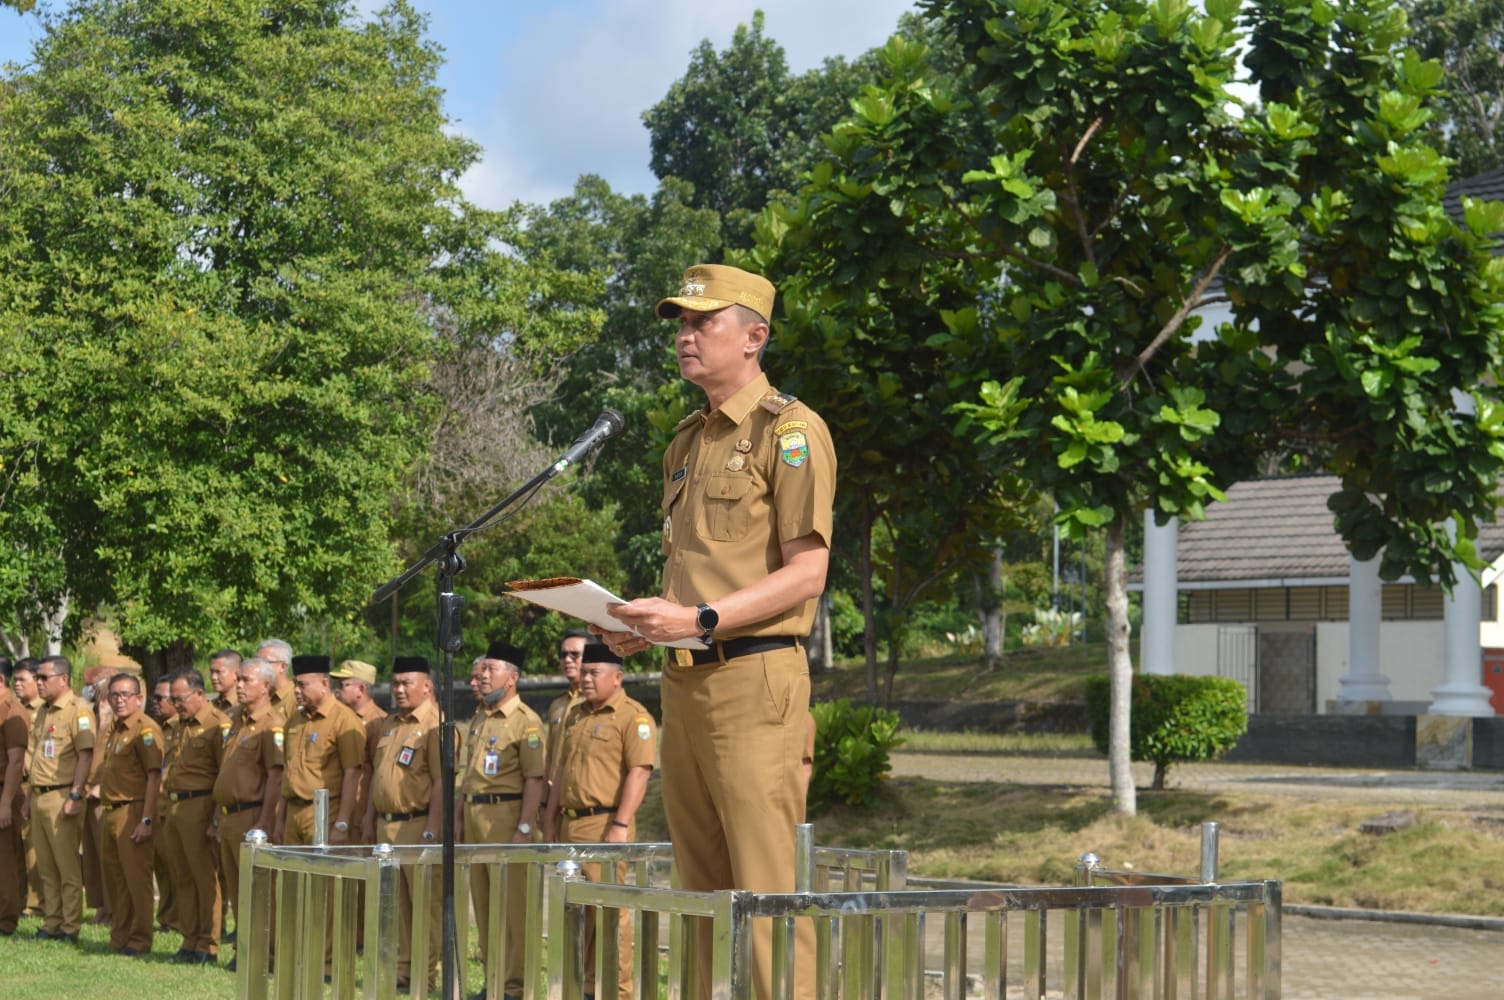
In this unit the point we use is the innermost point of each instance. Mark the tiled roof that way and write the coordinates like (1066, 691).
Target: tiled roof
(1273, 531)
(1489, 185)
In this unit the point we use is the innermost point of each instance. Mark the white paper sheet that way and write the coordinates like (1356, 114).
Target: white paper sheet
(583, 599)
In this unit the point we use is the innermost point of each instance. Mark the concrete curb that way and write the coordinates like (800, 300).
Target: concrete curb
(1394, 916)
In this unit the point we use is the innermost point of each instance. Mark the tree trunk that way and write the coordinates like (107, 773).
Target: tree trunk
(993, 622)
(52, 628)
(159, 663)
(828, 638)
(1120, 671)
(817, 649)
(894, 645)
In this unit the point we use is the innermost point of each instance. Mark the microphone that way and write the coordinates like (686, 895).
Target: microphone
(608, 424)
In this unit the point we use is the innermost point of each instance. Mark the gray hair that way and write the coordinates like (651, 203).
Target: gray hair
(260, 668)
(283, 650)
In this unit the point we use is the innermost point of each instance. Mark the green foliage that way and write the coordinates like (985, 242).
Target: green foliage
(226, 229)
(1465, 38)
(851, 751)
(1175, 718)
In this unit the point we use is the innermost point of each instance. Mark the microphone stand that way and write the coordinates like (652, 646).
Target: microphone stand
(445, 552)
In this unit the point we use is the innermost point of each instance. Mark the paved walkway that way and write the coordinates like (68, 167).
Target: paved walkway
(1324, 959)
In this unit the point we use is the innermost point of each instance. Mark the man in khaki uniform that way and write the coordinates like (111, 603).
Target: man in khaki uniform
(224, 672)
(571, 649)
(248, 789)
(326, 746)
(354, 679)
(748, 487)
(165, 714)
(15, 733)
(406, 797)
(129, 781)
(610, 743)
(501, 791)
(62, 741)
(284, 695)
(188, 786)
(23, 679)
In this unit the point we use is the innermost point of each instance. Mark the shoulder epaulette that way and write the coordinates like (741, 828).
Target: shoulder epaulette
(777, 402)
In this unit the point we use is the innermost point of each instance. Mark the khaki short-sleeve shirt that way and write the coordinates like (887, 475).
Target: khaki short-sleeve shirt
(193, 761)
(321, 744)
(132, 750)
(600, 746)
(506, 747)
(253, 749)
(60, 733)
(407, 764)
(738, 482)
(558, 711)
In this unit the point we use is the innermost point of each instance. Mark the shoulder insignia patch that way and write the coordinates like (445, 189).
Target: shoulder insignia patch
(791, 425)
(83, 723)
(644, 727)
(147, 739)
(534, 739)
(793, 448)
(277, 738)
(777, 402)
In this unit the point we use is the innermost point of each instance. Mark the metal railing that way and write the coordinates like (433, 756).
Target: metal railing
(1113, 934)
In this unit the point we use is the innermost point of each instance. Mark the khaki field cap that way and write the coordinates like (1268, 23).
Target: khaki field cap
(708, 287)
(357, 669)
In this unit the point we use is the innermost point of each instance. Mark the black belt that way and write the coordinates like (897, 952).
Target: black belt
(181, 796)
(44, 789)
(494, 797)
(587, 811)
(239, 807)
(401, 817)
(308, 802)
(120, 805)
(732, 648)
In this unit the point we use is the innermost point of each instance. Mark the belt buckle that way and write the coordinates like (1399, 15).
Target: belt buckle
(683, 657)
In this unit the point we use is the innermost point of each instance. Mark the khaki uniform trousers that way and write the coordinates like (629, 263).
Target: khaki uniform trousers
(12, 865)
(31, 880)
(191, 869)
(410, 831)
(93, 837)
(495, 823)
(169, 915)
(298, 830)
(733, 791)
(592, 830)
(56, 838)
(232, 830)
(127, 876)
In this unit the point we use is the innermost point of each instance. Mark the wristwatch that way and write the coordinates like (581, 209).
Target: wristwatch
(75, 796)
(524, 828)
(428, 836)
(707, 619)
(342, 826)
(146, 821)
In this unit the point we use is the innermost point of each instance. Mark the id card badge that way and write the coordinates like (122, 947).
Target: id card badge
(49, 749)
(405, 757)
(491, 765)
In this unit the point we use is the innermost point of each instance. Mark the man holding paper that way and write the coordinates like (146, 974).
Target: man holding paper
(749, 482)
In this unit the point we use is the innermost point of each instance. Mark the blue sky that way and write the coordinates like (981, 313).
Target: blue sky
(555, 89)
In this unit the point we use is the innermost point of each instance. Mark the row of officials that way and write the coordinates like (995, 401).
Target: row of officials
(140, 801)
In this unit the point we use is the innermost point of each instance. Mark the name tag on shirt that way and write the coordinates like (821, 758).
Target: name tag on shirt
(49, 749)
(491, 765)
(405, 757)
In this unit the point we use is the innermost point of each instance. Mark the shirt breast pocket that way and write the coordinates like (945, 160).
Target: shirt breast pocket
(671, 491)
(727, 507)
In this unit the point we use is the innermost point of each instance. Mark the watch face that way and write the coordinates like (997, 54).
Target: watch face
(708, 618)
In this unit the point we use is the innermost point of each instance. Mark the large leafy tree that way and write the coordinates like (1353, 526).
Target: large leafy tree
(225, 230)
(1466, 37)
(1124, 182)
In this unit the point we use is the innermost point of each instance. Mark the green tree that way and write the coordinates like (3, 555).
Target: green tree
(1466, 37)
(225, 228)
(1124, 182)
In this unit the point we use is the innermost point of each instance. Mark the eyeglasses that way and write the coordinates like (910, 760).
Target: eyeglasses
(47, 677)
(122, 694)
(569, 654)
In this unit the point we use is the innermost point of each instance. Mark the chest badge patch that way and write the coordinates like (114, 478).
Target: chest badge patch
(736, 463)
(405, 757)
(793, 448)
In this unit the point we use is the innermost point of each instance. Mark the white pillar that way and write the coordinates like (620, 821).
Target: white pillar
(1156, 649)
(1462, 691)
(1363, 683)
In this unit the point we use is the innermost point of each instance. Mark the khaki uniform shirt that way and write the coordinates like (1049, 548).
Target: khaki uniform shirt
(506, 748)
(600, 746)
(285, 701)
(737, 483)
(251, 751)
(30, 710)
(407, 764)
(132, 750)
(321, 744)
(193, 760)
(15, 733)
(224, 702)
(372, 717)
(558, 711)
(60, 733)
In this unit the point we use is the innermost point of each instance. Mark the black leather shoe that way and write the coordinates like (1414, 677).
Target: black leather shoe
(231, 966)
(43, 934)
(129, 952)
(228, 937)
